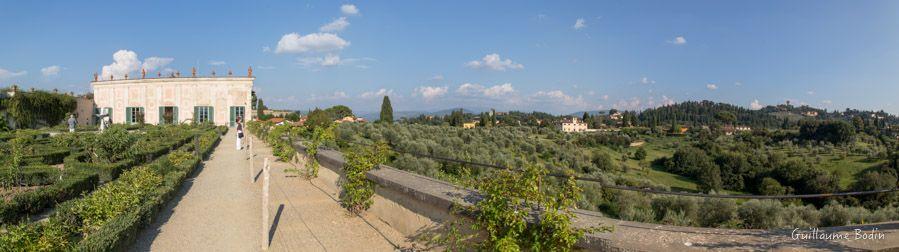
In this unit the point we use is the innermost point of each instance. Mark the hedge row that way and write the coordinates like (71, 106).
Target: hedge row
(109, 172)
(73, 183)
(34, 202)
(121, 231)
(73, 227)
(50, 157)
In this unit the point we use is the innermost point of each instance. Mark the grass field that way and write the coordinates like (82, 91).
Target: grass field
(846, 168)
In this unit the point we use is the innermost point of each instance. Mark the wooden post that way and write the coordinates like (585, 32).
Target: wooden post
(252, 158)
(265, 184)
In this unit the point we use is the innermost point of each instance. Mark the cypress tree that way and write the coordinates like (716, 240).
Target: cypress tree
(386, 111)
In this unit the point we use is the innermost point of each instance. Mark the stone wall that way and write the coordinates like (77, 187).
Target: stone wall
(416, 205)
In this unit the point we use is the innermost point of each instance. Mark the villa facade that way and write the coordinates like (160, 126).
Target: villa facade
(173, 100)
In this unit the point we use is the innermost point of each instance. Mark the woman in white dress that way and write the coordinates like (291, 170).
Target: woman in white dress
(239, 134)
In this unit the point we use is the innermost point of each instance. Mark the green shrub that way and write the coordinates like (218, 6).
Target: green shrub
(680, 211)
(761, 214)
(357, 189)
(834, 214)
(633, 206)
(113, 199)
(798, 216)
(112, 145)
(714, 212)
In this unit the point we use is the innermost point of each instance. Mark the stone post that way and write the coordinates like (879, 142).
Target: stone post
(265, 184)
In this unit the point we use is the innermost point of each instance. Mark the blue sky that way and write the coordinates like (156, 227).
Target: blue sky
(552, 56)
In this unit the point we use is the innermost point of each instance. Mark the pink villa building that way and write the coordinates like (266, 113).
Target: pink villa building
(175, 99)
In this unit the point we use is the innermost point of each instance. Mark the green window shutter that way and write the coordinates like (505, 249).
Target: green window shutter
(175, 115)
(161, 117)
(110, 115)
(128, 115)
(231, 118)
(211, 114)
(196, 114)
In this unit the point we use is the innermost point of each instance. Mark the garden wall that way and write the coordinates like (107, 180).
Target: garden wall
(415, 204)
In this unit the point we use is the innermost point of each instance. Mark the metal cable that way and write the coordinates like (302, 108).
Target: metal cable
(645, 190)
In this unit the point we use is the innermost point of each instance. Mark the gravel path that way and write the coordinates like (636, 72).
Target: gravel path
(219, 210)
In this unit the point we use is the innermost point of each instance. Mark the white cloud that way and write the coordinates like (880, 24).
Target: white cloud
(605, 97)
(349, 9)
(810, 92)
(755, 105)
(216, 62)
(9, 74)
(380, 93)
(337, 95)
(153, 63)
(266, 49)
(826, 102)
(470, 89)
(738, 83)
(438, 77)
(494, 62)
(335, 26)
(428, 92)
(580, 23)
(499, 90)
(326, 61)
(314, 42)
(646, 80)
(666, 101)
(51, 70)
(558, 96)
(679, 40)
(124, 62)
(711, 86)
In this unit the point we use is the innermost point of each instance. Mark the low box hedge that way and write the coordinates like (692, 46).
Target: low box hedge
(121, 231)
(118, 232)
(74, 182)
(50, 156)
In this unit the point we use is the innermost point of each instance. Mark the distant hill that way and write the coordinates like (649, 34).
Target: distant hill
(591, 112)
(372, 116)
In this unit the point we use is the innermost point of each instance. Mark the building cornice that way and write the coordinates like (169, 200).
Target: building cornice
(171, 79)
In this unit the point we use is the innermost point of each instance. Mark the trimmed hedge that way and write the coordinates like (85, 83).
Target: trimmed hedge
(74, 182)
(118, 231)
(51, 157)
(82, 177)
(109, 172)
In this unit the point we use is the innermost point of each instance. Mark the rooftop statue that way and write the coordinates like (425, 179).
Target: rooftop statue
(143, 73)
(193, 71)
(96, 76)
(250, 72)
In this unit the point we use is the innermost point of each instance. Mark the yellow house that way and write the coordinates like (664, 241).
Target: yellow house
(469, 125)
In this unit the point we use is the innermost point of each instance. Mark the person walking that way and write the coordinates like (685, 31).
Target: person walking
(239, 133)
(72, 123)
